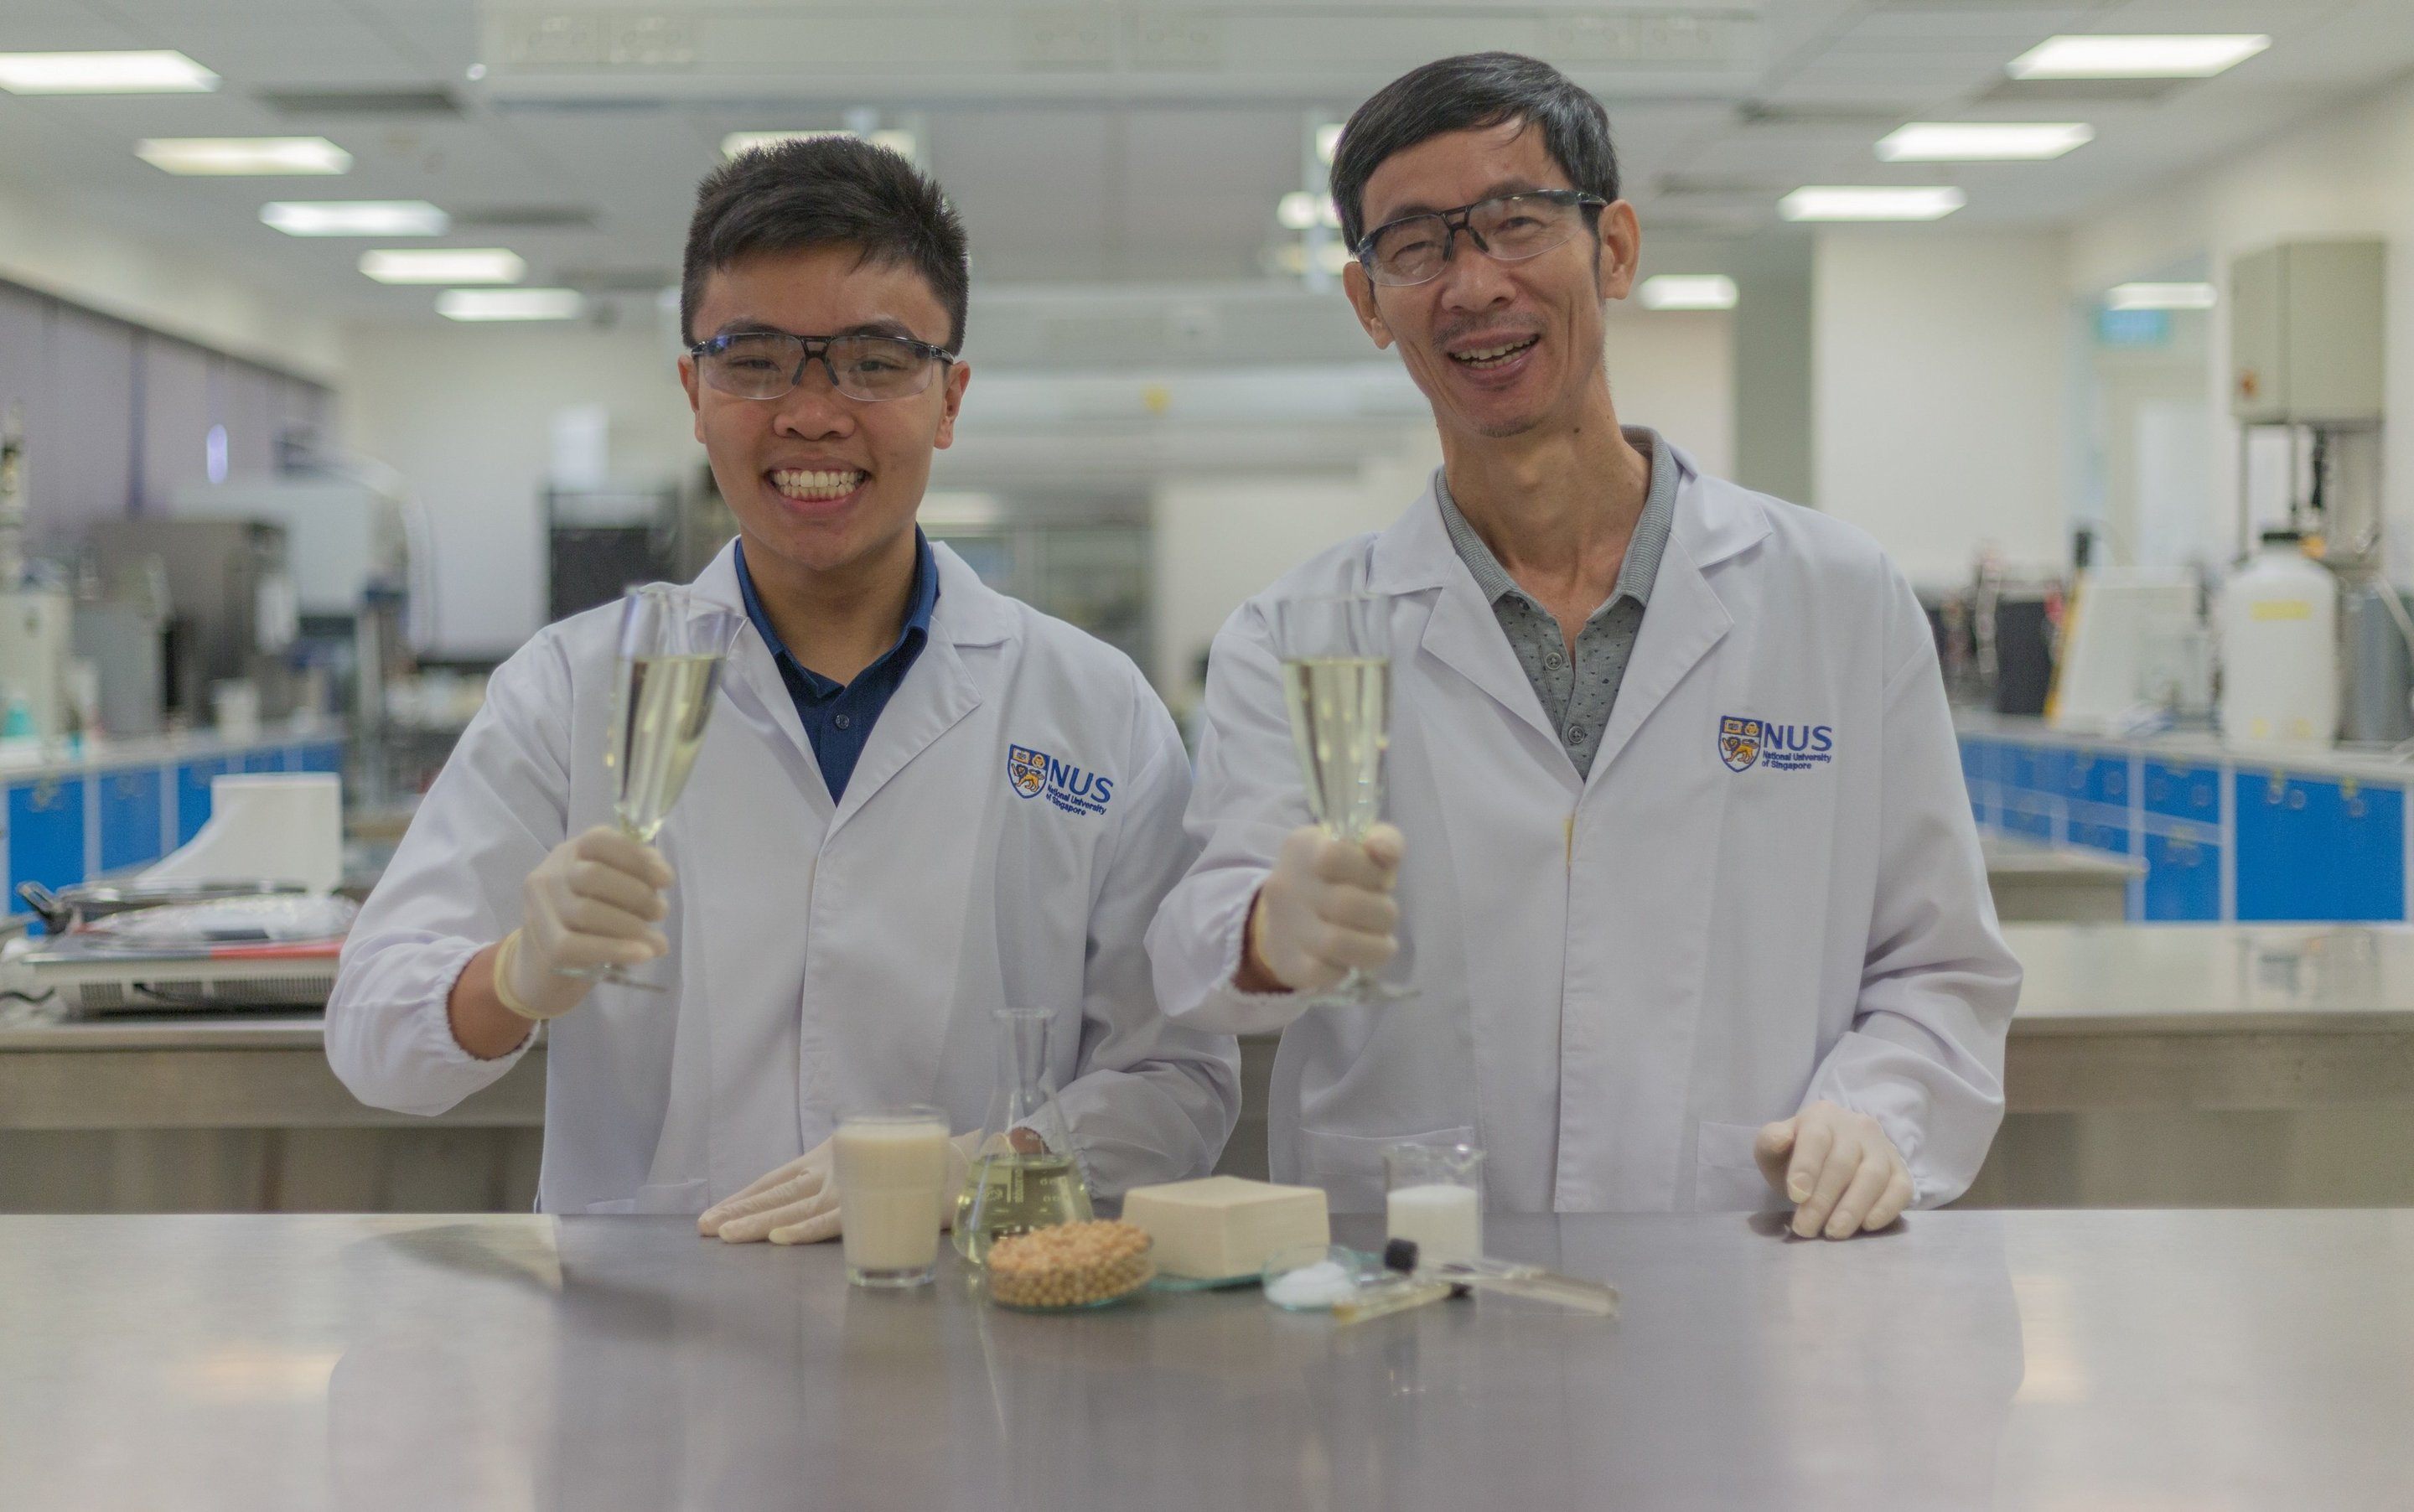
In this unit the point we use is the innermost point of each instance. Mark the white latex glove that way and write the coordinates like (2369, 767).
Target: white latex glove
(1839, 1169)
(593, 901)
(797, 1203)
(1326, 907)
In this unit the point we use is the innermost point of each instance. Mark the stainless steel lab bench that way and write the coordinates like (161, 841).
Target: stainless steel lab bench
(2244, 1361)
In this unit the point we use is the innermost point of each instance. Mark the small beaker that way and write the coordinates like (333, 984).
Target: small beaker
(1434, 1195)
(1024, 1174)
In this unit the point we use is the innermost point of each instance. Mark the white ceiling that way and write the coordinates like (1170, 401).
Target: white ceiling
(1122, 142)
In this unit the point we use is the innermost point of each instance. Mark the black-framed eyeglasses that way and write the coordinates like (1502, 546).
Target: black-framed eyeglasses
(765, 364)
(1508, 228)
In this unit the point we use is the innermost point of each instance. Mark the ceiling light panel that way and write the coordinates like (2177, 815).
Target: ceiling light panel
(355, 217)
(2161, 297)
(2133, 57)
(1687, 291)
(444, 265)
(1983, 142)
(244, 156)
(1848, 202)
(901, 142)
(510, 304)
(103, 73)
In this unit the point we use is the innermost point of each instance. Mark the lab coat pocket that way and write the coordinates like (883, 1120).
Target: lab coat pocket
(1725, 1177)
(1349, 1167)
(689, 1197)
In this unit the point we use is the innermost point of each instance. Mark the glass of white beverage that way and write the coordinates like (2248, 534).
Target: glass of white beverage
(1336, 673)
(892, 1170)
(1434, 1195)
(672, 645)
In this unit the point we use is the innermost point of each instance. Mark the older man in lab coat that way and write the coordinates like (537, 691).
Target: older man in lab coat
(1683, 871)
(917, 801)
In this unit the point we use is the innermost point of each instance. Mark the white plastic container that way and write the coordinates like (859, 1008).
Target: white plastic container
(2279, 649)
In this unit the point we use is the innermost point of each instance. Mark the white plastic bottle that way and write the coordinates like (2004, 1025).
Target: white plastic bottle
(2279, 648)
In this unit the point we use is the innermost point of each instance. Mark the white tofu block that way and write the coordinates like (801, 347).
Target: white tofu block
(1224, 1225)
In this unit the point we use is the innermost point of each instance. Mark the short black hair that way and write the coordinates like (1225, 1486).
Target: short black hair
(1470, 93)
(825, 191)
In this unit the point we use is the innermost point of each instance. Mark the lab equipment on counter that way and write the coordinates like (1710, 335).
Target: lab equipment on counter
(286, 827)
(1024, 1175)
(1509, 1278)
(75, 907)
(1093, 1263)
(2131, 640)
(2376, 626)
(2279, 643)
(232, 603)
(1433, 1197)
(892, 1174)
(261, 952)
(36, 619)
(1225, 1228)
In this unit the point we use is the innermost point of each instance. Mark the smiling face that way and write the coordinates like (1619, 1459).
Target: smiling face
(824, 487)
(1500, 348)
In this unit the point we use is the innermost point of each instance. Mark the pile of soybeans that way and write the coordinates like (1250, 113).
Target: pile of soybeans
(1071, 1264)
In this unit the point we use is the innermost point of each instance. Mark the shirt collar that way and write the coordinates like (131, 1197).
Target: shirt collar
(917, 614)
(1650, 543)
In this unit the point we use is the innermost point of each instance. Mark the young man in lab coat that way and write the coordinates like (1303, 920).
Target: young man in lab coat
(1683, 876)
(917, 801)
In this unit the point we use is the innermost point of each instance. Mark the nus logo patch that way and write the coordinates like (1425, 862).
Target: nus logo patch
(1031, 772)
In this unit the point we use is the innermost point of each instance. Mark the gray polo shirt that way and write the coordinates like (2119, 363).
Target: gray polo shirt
(1579, 696)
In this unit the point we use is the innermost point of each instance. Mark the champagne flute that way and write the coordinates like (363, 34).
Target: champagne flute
(1336, 675)
(672, 645)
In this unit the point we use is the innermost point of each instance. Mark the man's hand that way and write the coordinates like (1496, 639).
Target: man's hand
(798, 1204)
(1325, 907)
(594, 901)
(1838, 1168)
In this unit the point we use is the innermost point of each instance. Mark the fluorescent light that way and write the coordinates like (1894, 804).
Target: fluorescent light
(1303, 208)
(1983, 142)
(444, 265)
(355, 217)
(1841, 202)
(1328, 141)
(249, 156)
(103, 73)
(2191, 56)
(1689, 291)
(510, 304)
(901, 142)
(2161, 297)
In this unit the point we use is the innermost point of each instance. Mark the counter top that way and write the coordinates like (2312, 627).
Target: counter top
(2016, 1359)
(2214, 978)
(147, 750)
(2203, 746)
(2007, 857)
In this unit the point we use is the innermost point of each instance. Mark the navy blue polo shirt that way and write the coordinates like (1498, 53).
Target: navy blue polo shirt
(838, 716)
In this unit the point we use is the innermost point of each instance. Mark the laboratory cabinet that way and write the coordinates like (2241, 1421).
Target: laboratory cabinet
(120, 810)
(2222, 838)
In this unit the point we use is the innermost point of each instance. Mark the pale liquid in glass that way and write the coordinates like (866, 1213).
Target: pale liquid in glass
(658, 722)
(1446, 1221)
(1340, 725)
(890, 1177)
(1012, 1194)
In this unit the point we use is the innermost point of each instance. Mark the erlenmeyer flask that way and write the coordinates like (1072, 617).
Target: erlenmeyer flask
(1023, 1175)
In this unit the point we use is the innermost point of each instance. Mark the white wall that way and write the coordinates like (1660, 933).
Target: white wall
(1221, 539)
(1939, 363)
(45, 245)
(465, 413)
(1675, 372)
(2349, 173)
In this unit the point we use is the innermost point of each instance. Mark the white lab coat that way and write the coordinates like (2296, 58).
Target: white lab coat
(824, 957)
(1621, 977)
